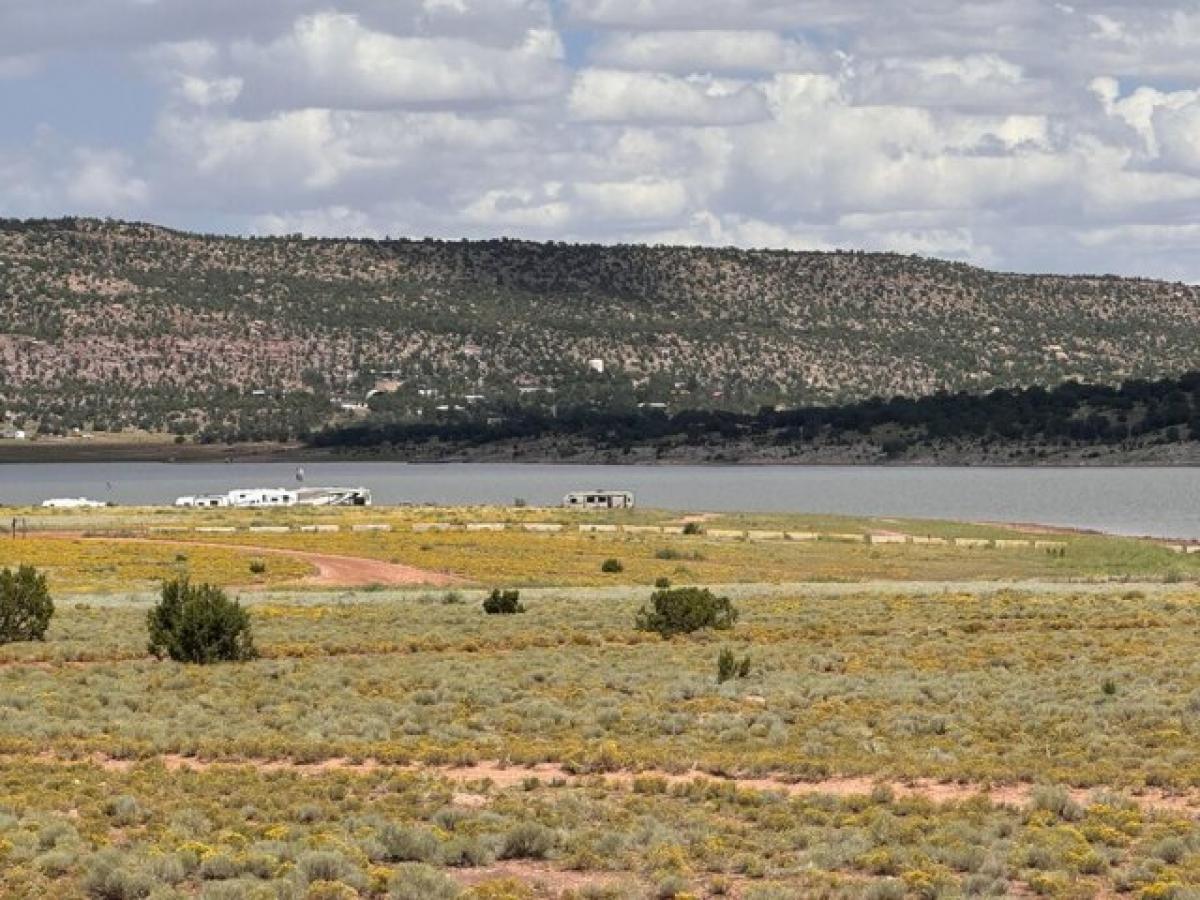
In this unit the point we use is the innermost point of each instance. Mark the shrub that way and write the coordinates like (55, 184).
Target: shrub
(402, 844)
(503, 603)
(1056, 800)
(467, 853)
(106, 878)
(662, 582)
(529, 840)
(729, 666)
(326, 865)
(25, 605)
(124, 810)
(414, 881)
(612, 566)
(258, 567)
(668, 553)
(199, 624)
(684, 610)
(693, 528)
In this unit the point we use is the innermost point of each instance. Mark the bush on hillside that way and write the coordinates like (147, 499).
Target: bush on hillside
(684, 610)
(199, 624)
(503, 603)
(25, 605)
(612, 566)
(729, 666)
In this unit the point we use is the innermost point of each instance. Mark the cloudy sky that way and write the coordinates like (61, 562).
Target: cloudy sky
(1020, 134)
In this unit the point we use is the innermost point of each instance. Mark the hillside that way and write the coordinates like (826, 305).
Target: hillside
(111, 326)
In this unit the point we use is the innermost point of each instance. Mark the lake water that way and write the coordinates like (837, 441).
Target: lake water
(1143, 501)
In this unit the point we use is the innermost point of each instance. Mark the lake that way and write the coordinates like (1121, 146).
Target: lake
(1151, 501)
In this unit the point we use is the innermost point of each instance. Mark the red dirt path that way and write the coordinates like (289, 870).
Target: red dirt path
(332, 570)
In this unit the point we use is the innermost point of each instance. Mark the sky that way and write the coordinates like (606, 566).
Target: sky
(1014, 134)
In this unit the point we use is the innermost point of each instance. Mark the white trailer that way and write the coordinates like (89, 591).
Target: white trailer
(72, 503)
(271, 498)
(599, 500)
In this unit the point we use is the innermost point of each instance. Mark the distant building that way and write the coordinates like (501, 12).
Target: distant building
(596, 365)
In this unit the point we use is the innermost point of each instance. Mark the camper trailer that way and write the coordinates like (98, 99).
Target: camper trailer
(72, 503)
(269, 498)
(599, 500)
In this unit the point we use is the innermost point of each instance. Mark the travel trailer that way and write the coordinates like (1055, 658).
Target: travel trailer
(270, 498)
(72, 503)
(599, 500)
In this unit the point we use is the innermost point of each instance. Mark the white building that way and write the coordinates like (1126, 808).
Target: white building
(596, 365)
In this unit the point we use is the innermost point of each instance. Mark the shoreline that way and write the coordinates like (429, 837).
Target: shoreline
(27, 453)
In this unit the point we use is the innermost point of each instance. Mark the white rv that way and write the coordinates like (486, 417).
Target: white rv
(72, 503)
(599, 500)
(270, 498)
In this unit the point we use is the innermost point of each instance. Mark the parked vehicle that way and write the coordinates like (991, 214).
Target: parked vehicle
(599, 500)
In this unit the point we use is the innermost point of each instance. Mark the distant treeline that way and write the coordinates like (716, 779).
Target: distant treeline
(1168, 409)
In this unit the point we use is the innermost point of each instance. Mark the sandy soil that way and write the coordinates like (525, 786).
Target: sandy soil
(504, 776)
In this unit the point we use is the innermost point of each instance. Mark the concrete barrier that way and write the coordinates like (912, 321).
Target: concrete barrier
(216, 529)
(486, 526)
(888, 538)
(369, 528)
(643, 529)
(972, 542)
(168, 529)
(672, 529)
(764, 535)
(725, 535)
(425, 527)
(589, 528)
(1013, 545)
(1050, 545)
(543, 527)
(269, 529)
(800, 535)
(320, 529)
(930, 541)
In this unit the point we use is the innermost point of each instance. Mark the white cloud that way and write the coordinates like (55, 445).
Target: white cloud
(1017, 133)
(332, 60)
(608, 95)
(540, 210)
(1178, 132)
(687, 52)
(641, 199)
(104, 180)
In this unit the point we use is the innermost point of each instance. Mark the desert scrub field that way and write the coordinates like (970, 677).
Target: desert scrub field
(79, 565)
(572, 558)
(91, 831)
(1089, 691)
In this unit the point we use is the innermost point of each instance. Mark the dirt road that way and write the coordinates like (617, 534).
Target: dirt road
(332, 570)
